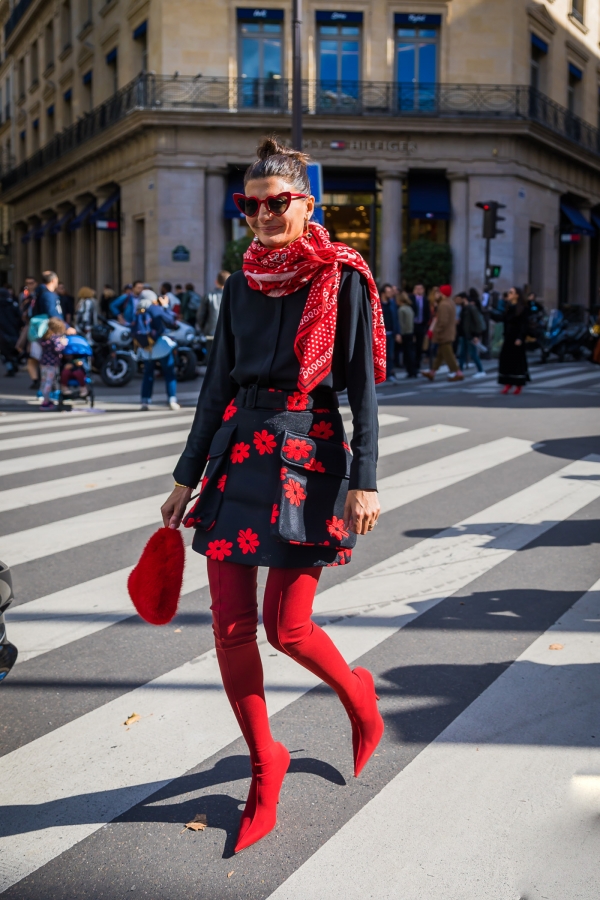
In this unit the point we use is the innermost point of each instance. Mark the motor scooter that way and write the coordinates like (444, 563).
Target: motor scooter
(113, 355)
(565, 334)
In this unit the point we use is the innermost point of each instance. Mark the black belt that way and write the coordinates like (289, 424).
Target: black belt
(255, 397)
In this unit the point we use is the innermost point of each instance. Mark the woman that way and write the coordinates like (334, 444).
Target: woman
(86, 311)
(150, 324)
(301, 321)
(512, 365)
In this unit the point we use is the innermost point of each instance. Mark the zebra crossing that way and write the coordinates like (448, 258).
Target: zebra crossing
(462, 510)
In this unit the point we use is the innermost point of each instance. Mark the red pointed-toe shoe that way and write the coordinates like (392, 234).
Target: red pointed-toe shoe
(260, 815)
(367, 724)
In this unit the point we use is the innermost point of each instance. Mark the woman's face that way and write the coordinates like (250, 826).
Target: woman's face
(512, 296)
(278, 231)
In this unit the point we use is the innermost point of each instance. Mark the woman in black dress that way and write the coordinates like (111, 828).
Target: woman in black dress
(512, 365)
(282, 489)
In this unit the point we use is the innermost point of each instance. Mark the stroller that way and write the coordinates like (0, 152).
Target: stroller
(77, 356)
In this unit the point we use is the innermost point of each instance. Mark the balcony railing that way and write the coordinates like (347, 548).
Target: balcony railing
(273, 96)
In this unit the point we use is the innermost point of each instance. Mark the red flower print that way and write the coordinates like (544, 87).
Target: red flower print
(321, 410)
(221, 483)
(264, 442)
(336, 529)
(204, 483)
(321, 430)
(230, 411)
(296, 449)
(346, 447)
(274, 513)
(297, 401)
(240, 452)
(248, 541)
(313, 466)
(294, 492)
(283, 473)
(219, 549)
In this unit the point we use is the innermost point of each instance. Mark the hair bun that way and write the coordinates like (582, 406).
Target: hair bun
(271, 146)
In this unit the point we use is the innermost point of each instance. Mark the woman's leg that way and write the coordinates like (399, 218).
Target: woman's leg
(474, 353)
(235, 619)
(287, 610)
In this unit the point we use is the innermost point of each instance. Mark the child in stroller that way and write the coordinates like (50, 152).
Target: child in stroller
(75, 377)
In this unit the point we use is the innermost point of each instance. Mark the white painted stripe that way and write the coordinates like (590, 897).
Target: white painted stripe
(60, 437)
(41, 462)
(515, 772)
(103, 769)
(60, 488)
(384, 419)
(83, 609)
(69, 419)
(45, 540)
(57, 619)
(413, 484)
(573, 379)
(408, 440)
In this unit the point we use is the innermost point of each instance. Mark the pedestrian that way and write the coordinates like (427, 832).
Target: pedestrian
(190, 301)
(86, 311)
(152, 319)
(208, 309)
(444, 335)
(422, 311)
(123, 307)
(166, 290)
(11, 324)
(52, 343)
(392, 327)
(253, 416)
(406, 317)
(45, 305)
(106, 298)
(67, 303)
(512, 364)
(469, 329)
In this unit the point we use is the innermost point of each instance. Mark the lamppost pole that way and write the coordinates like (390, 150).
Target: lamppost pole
(297, 75)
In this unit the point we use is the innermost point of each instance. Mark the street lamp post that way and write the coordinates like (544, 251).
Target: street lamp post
(297, 75)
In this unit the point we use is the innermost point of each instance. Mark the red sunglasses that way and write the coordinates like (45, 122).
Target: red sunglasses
(277, 205)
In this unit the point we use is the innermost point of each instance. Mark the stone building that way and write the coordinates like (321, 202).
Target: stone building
(127, 124)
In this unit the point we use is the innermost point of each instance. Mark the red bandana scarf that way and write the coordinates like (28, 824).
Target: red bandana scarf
(315, 258)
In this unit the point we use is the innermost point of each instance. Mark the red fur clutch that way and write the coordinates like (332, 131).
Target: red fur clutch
(155, 583)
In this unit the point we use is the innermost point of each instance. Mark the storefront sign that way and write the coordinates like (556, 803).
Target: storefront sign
(260, 14)
(180, 254)
(417, 19)
(335, 16)
(569, 238)
(405, 147)
(62, 186)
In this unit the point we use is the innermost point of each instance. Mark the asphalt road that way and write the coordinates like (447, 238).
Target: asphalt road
(487, 781)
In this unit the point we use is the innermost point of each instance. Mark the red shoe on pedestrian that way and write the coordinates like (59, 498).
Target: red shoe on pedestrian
(457, 376)
(367, 724)
(505, 389)
(260, 815)
(518, 389)
(430, 374)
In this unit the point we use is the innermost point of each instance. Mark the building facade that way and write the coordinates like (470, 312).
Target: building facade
(127, 125)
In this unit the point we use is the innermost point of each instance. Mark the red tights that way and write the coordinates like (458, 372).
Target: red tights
(288, 602)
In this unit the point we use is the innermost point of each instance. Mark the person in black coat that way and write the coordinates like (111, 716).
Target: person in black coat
(512, 365)
(392, 327)
(422, 310)
(10, 329)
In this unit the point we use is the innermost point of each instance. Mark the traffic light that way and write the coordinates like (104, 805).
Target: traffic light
(491, 218)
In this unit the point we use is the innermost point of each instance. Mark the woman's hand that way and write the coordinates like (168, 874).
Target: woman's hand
(361, 511)
(518, 342)
(174, 506)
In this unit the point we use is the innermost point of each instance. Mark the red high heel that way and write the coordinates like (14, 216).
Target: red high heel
(517, 390)
(367, 724)
(260, 814)
(505, 389)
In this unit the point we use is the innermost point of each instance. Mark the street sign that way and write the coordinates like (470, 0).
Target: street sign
(180, 254)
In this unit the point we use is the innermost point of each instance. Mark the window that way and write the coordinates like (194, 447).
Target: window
(50, 122)
(260, 61)
(87, 92)
(575, 76)
(49, 44)
(539, 52)
(416, 59)
(65, 25)
(35, 134)
(35, 64)
(22, 145)
(140, 36)
(67, 108)
(111, 62)
(338, 51)
(577, 10)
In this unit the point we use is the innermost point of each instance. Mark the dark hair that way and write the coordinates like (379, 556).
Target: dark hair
(48, 276)
(222, 277)
(166, 286)
(189, 286)
(521, 303)
(382, 287)
(275, 160)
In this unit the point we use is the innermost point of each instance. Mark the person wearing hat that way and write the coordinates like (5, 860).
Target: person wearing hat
(444, 335)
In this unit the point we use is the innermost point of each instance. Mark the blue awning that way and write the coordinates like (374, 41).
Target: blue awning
(539, 43)
(111, 57)
(336, 16)
(80, 219)
(235, 186)
(575, 72)
(141, 30)
(428, 196)
(259, 14)
(102, 210)
(580, 224)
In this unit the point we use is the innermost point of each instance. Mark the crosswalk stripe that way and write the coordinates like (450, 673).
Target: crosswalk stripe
(41, 462)
(60, 488)
(88, 608)
(383, 417)
(570, 379)
(413, 484)
(68, 783)
(60, 437)
(68, 420)
(76, 612)
(408, 440)
(430, 829)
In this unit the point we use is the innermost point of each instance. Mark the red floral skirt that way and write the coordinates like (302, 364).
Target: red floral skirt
(276, 482)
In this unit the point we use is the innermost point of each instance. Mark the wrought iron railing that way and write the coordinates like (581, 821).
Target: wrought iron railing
(339, 98)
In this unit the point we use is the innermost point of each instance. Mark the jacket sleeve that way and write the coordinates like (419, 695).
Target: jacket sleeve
(357, 336)
(218, 389)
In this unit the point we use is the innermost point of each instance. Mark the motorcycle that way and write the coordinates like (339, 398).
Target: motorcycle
(113, 355)
(191, 350)
(565, 334)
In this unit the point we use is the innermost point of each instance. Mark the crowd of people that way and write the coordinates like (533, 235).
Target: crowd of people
(446, 331)
(36, 322)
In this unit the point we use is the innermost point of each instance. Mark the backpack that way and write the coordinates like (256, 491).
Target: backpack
(478, 320)
(141, 329)
(38, 326)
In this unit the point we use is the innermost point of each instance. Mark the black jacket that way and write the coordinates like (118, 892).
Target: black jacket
(10, 318)
(426, 311)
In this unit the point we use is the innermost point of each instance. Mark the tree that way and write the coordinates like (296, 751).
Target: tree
(234, 251)
(426, 262)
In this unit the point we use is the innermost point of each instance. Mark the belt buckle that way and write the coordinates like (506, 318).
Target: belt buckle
(251, 395)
